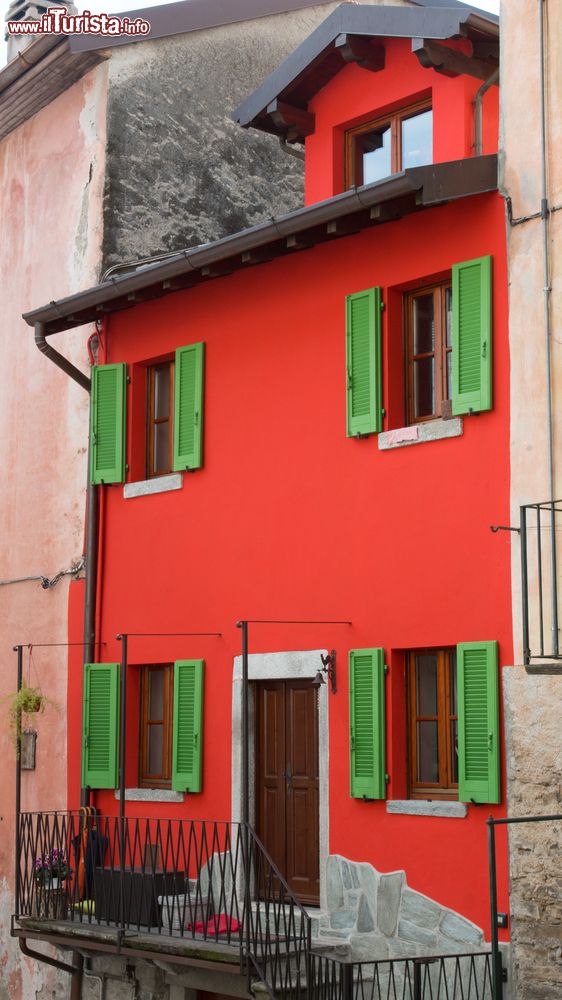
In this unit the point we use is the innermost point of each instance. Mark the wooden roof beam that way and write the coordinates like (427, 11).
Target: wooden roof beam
(356, 49)
(450, 62)
(293, 120)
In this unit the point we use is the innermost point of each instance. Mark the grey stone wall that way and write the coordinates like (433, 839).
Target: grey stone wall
(179, 171)
(380, 917)
(534, 787)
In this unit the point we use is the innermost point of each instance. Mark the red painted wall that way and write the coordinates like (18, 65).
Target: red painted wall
(356, 95)
(290, 519)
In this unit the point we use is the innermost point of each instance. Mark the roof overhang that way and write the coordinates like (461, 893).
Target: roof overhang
(46, 68)
(372, 205)
(354, 33)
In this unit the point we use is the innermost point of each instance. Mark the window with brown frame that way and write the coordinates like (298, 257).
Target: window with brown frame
(428, 318)
(160, 420)
(432, 723)
(156, 706)
(389, 144)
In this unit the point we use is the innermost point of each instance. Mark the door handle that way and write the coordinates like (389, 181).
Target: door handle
(288, 775)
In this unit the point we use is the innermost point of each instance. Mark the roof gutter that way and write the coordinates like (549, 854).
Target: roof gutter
(427, 186)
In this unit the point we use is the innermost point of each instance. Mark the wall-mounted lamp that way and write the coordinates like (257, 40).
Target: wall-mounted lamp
(329, 668)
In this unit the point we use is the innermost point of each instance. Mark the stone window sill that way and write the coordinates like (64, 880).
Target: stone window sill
(150, 795)
(432, 430)
(147, 487)
(427, 807)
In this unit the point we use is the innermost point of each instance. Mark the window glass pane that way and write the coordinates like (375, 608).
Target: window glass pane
(161, 392)
(417, 140)
(449, 373)
(161, 451)
(424, 324)
(375, 150)
(454, 753)
(155, 749)
(426, 684)
(449, 315)
(424, 387)
(453, 682)
(156, 694)
(427, 753)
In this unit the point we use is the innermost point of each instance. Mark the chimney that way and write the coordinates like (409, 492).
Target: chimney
(29, 10)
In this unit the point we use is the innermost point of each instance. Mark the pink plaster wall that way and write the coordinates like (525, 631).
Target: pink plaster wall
(51, 187)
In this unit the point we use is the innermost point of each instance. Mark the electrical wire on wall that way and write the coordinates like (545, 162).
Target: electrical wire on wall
(47, 582)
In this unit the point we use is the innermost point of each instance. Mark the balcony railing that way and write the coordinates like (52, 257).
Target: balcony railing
(194, 880)
(540, 525)
(200, 882)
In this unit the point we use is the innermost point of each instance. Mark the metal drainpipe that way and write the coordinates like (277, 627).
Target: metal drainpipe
(478, 110)
(91, 553)
(545, 212)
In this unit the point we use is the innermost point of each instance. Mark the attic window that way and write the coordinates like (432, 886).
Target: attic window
(387, 145)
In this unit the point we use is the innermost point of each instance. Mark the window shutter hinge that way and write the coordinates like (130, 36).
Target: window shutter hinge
(387, 778)
(128, 379)
(386, 668)
(383, 411)
(382, 305)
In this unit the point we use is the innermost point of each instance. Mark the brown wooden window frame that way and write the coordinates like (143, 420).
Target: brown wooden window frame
(442, 403)
(353, 163)
(164, 779)
(446, 787)
(152, 421)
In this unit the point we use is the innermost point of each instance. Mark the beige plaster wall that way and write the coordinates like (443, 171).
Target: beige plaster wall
(533, 703)
(51, 186)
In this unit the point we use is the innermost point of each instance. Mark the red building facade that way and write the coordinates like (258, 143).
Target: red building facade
(309, 429)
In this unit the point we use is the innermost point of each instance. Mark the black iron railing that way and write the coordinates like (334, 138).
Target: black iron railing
(540, 523)
(438, 977)
(210, 882)
(191, 879)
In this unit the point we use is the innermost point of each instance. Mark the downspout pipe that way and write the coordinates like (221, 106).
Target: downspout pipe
(478, 142)
(38, 956)
(545, 219)
(58, 359)
(91, 554)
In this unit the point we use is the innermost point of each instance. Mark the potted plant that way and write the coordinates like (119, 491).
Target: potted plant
(26, 701)
(51, 872)
(52, 868)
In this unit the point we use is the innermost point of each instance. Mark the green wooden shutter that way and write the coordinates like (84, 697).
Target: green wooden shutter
(363, 356)
(479, 727)
(472, 336)
(100, 726)
(107, 424)
(367, 724)
(187, 739)
(188, 407)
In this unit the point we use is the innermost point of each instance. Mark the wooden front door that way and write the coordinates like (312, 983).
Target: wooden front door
(287, 787)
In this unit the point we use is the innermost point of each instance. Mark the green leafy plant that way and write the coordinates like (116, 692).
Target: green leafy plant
(26, 701)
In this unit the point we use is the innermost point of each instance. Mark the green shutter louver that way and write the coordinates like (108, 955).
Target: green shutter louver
(472, 336)
(367, 724)
(188, 407)
(478, 722)
(100, 726)
(363, 362)
(187, 736)
(107, 424)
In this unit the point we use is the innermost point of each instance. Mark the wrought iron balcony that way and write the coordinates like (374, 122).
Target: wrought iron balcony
(199, 891)
(539, 527)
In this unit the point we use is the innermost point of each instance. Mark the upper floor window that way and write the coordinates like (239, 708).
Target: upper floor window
(388, 145)
(429, 321)
(160, 418)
